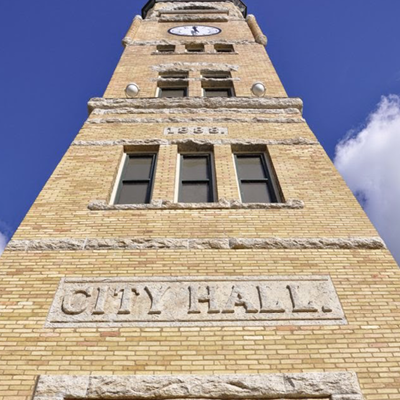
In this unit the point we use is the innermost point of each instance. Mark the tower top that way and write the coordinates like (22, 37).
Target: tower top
(239, 3)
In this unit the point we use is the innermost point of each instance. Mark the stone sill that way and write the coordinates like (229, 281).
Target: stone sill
(197, 53)
(223, 204)
(323, 385)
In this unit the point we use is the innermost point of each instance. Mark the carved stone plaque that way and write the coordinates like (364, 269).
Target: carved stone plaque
(273, 300)
(196, 130)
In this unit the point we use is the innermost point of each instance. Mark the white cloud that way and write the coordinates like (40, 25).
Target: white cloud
(3, 242)
(369, 161)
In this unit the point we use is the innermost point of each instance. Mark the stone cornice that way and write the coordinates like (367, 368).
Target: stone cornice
(198, 102)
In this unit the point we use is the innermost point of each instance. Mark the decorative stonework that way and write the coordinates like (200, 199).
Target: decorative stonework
(129, 42)
(198, 102)
(259, 37)
(198, 142)
(179, 66)
(323, 386)
(194, 18)
(178, 120)
(90, 244)
(184, 301)
(195, 130)
(210, 80)
(223, 204)
(169, 7)
(234, 111)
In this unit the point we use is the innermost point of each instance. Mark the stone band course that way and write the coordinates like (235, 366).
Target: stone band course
(331, 385)
(197, 142)
(198, 102)
(88, 244)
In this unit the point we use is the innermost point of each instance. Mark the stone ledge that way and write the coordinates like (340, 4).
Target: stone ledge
(199, 53)
(131, 42)
(194, 66)
(197, 111)
(177, 120)
(196, 142)
(223, 204)
(330, 385)
(198, 102)
(196, 18)
(88, 244)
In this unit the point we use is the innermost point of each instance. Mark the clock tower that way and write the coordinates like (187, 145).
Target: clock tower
(196, 242)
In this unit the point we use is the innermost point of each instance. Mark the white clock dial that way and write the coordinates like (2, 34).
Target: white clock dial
(194, 30)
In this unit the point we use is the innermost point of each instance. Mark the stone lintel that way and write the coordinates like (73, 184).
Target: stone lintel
(328, 385)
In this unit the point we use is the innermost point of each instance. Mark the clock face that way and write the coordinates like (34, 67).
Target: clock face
(194, 30)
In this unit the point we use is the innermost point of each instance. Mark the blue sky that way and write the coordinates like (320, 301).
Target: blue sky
(340, 56)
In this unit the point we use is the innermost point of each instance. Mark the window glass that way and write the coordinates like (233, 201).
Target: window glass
(217, 92)
(195, 193)
(137, 179)
(133, 193)
(250, 167)
(138, 167)
(180, 92)
(195, 168)
(255, 192)
(254, 179)
(196, 179)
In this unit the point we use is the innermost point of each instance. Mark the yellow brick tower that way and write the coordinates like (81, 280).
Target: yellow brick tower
(195, 242)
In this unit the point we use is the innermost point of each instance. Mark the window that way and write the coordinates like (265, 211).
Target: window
(218, 92)
(195, 48)
(137, 179)
(171, 92)
(217, 84)
(166, 48)
(224, 48)
(196, 182)
(173, 84)
(255, 181)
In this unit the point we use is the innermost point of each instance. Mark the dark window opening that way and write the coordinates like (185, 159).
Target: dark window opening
(166, 48)
(254, 179)
(173, 92)
(218, 92)
(224, 48)
(195, 48)
(137, 179)
(196, 179)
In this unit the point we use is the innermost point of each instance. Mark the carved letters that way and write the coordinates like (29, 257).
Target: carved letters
(197, 130)
(196, 301)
